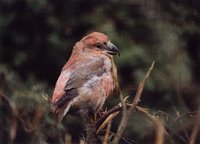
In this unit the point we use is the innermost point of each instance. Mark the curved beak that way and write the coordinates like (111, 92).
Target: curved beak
(112, 49)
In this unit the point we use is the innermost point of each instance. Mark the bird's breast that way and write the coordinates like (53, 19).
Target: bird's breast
(96, 90)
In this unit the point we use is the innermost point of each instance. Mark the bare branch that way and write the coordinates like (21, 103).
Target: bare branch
(140, 89)
(106, 114)
(157, 123)
(105, 140)
(123, 122)
(195, 128)
(126, 113)
(107, 121)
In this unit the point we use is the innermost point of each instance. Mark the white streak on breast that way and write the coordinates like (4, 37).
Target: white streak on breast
(92, 82)
(87, 88)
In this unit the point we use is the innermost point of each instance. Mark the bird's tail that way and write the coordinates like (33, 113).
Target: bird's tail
(59, 113)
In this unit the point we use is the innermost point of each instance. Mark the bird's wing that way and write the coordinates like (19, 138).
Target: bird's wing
(78, 77)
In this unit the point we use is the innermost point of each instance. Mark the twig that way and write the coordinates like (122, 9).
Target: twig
(106, 114)
(188, 114)
(107, 121)
(180, 117)
(123, 122)
(160, 127)
(157, 123)
(140, 89)
(105, 140)
(13, 128)
(126, 113)
(110, 115)
(195, 128)
(179, 137)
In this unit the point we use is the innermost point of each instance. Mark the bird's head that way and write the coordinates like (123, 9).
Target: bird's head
(99, 42)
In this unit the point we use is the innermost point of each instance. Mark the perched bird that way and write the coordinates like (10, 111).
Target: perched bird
(88, 78)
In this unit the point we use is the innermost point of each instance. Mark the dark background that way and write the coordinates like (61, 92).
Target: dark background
(37, 37)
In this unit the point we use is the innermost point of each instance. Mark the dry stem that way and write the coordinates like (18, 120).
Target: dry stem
(126, 113)
(195, 128)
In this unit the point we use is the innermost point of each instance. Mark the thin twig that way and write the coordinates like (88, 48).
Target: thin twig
(123, 122)
(188, 114)
(107, 121)
(179, 137)
(13, 128)
(140, 89)
(195, 128)
(105, 140)
(157, 123)
(126, 113)
(106, 114)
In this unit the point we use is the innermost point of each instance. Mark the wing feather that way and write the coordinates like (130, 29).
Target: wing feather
(77, 78)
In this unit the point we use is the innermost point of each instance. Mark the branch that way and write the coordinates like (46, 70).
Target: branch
(159, 126)
(140, 89)
(106, 114)
(105, 140)
(126, 113)
(195, 128)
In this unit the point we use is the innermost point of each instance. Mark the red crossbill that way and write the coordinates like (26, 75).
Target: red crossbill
(88, 77)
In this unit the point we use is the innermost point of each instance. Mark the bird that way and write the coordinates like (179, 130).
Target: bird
(87, 79)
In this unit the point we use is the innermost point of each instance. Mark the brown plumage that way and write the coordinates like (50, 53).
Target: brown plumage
(88, 78)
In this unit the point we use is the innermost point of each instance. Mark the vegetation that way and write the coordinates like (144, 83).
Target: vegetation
(36, 39)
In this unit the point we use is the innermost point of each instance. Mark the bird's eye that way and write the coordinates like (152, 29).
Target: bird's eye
(98, 45)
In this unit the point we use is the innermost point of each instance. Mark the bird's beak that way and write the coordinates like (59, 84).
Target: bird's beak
(112, 49)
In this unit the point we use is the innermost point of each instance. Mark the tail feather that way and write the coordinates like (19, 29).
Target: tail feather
(59, 113)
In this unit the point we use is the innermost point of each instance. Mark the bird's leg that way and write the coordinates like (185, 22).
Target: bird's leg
(94, 118)
(90, 128)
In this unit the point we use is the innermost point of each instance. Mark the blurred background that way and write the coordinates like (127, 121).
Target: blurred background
(37, 37)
